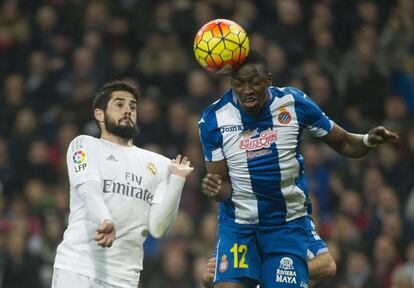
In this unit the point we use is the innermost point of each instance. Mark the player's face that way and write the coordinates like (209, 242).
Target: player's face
(250, 84)
(121, 115)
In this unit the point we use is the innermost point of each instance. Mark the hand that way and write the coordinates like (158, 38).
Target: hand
(105, 234)
(180, 167)
(211, 187)
(379, 135)
(209, 273)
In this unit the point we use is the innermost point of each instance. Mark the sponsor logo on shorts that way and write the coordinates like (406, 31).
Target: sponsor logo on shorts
(286, 272)
(224, 264)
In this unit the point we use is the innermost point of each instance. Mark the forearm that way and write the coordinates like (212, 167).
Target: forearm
(354, 146)
(225, 191)
(348, 144)
(162, 215)
(89, 193)
(321, 267)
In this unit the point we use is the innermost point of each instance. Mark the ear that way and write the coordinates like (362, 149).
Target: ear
(99, 115)
(269, 79)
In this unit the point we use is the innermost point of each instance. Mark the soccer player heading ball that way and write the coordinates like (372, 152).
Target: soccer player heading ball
(251, 140)
(221, 45)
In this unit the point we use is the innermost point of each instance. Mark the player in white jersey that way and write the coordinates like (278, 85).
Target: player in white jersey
(251, 141)
(118, 194)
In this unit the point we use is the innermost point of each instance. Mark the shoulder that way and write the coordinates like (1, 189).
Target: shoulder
(282, 92)
(211, 110)
(209, 114)
(83, 141)
(153, 156)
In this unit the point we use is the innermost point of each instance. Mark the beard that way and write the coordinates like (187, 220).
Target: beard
(123, 131)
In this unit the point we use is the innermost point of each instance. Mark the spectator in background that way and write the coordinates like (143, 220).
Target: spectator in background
(177, 119)
(175, 267)
(200, 90)
(21, 267)
(45, 22)
(151, 123)
(13, 97)
(385, 259)
(359, 272)
(40, 82)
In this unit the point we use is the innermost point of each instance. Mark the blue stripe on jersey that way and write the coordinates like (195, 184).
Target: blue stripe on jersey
(308, 112)
(227, 210)
(207, 138)
(264, 170)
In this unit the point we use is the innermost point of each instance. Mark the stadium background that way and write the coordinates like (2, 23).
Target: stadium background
(354, 58)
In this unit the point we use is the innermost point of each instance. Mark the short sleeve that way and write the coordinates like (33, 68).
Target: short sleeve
(211, 141)
(311, 116)
(82, 160)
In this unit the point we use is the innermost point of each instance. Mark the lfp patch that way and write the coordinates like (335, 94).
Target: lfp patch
(79, 157)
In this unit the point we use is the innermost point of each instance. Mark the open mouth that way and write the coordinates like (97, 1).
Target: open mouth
(250, 102)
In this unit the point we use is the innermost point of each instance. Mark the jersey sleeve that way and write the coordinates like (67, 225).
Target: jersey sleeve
(311, 116)
(211, 141)
(82, 160)
(160, 192)
(161, 189)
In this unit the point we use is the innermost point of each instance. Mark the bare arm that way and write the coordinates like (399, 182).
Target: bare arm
(352, 145)
(216, 185)
(321, 267)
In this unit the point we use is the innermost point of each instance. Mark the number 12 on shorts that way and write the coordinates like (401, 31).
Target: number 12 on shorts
(236, 249)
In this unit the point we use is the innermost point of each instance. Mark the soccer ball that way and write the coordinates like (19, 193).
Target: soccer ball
(221, 44)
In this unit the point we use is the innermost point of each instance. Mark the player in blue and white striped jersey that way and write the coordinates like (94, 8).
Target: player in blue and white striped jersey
(251, 138)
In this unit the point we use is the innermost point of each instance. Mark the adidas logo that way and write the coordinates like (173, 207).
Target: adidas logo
(111, 158)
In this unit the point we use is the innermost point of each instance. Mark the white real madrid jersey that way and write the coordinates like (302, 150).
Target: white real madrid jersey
(265, 167)
(131, 181)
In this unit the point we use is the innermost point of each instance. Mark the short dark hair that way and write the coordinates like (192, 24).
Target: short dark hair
(104, 94)
(254, 57)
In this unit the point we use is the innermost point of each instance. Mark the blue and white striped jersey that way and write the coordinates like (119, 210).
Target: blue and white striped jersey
(262, 154)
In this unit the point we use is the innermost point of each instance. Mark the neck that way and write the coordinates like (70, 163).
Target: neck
(116, 139)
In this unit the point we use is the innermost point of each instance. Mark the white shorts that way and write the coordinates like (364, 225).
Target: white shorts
(68, 279)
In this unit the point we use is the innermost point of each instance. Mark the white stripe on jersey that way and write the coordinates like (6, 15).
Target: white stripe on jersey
(246, 210)
(318, 132)
(288, 163)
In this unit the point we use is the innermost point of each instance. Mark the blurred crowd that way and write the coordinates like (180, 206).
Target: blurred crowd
(355, 58)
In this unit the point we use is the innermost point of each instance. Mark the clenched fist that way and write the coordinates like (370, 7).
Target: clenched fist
(212, 188)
